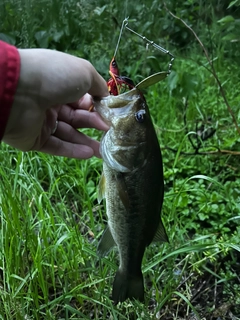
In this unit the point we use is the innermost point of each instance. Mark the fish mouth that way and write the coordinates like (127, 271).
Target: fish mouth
(121, 100)
(119, 105)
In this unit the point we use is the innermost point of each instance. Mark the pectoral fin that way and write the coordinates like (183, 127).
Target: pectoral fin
(122, 190)
(106, 243)
(101, 188)
(161, 234)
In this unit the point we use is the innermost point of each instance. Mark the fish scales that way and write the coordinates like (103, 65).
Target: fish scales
(132, 183)
(127, 245)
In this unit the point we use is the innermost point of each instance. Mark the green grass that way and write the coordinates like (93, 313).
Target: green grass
(49, 216)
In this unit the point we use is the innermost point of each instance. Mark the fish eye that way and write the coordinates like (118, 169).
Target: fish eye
(114, 63)
(140, 116)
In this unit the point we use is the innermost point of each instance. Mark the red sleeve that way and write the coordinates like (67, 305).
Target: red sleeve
(9, 75)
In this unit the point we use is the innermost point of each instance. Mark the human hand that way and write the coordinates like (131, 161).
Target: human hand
(55, 88)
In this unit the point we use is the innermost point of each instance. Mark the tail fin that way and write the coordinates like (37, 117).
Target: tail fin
(127, 286)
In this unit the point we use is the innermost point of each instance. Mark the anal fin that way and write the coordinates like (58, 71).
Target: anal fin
(106, 243)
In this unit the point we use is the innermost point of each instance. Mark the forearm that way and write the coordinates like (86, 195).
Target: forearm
(9, 75)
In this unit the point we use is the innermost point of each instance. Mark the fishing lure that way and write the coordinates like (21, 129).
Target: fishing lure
(117, 82)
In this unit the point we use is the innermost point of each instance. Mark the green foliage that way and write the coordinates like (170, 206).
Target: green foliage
(49, 216)
(90, 29)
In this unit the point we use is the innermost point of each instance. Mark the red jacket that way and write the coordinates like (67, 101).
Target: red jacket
(9, 75)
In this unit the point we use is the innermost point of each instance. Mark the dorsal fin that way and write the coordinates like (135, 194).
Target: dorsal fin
(160, 234)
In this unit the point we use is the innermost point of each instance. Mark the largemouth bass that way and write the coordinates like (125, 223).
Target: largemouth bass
(132, 183)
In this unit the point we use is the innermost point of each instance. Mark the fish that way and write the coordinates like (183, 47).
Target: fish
(132, 184)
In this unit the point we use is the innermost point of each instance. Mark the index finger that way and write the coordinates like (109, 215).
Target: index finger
(83, 103)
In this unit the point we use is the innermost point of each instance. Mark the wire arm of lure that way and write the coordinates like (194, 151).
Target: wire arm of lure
(156, 46)
(120, 35)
